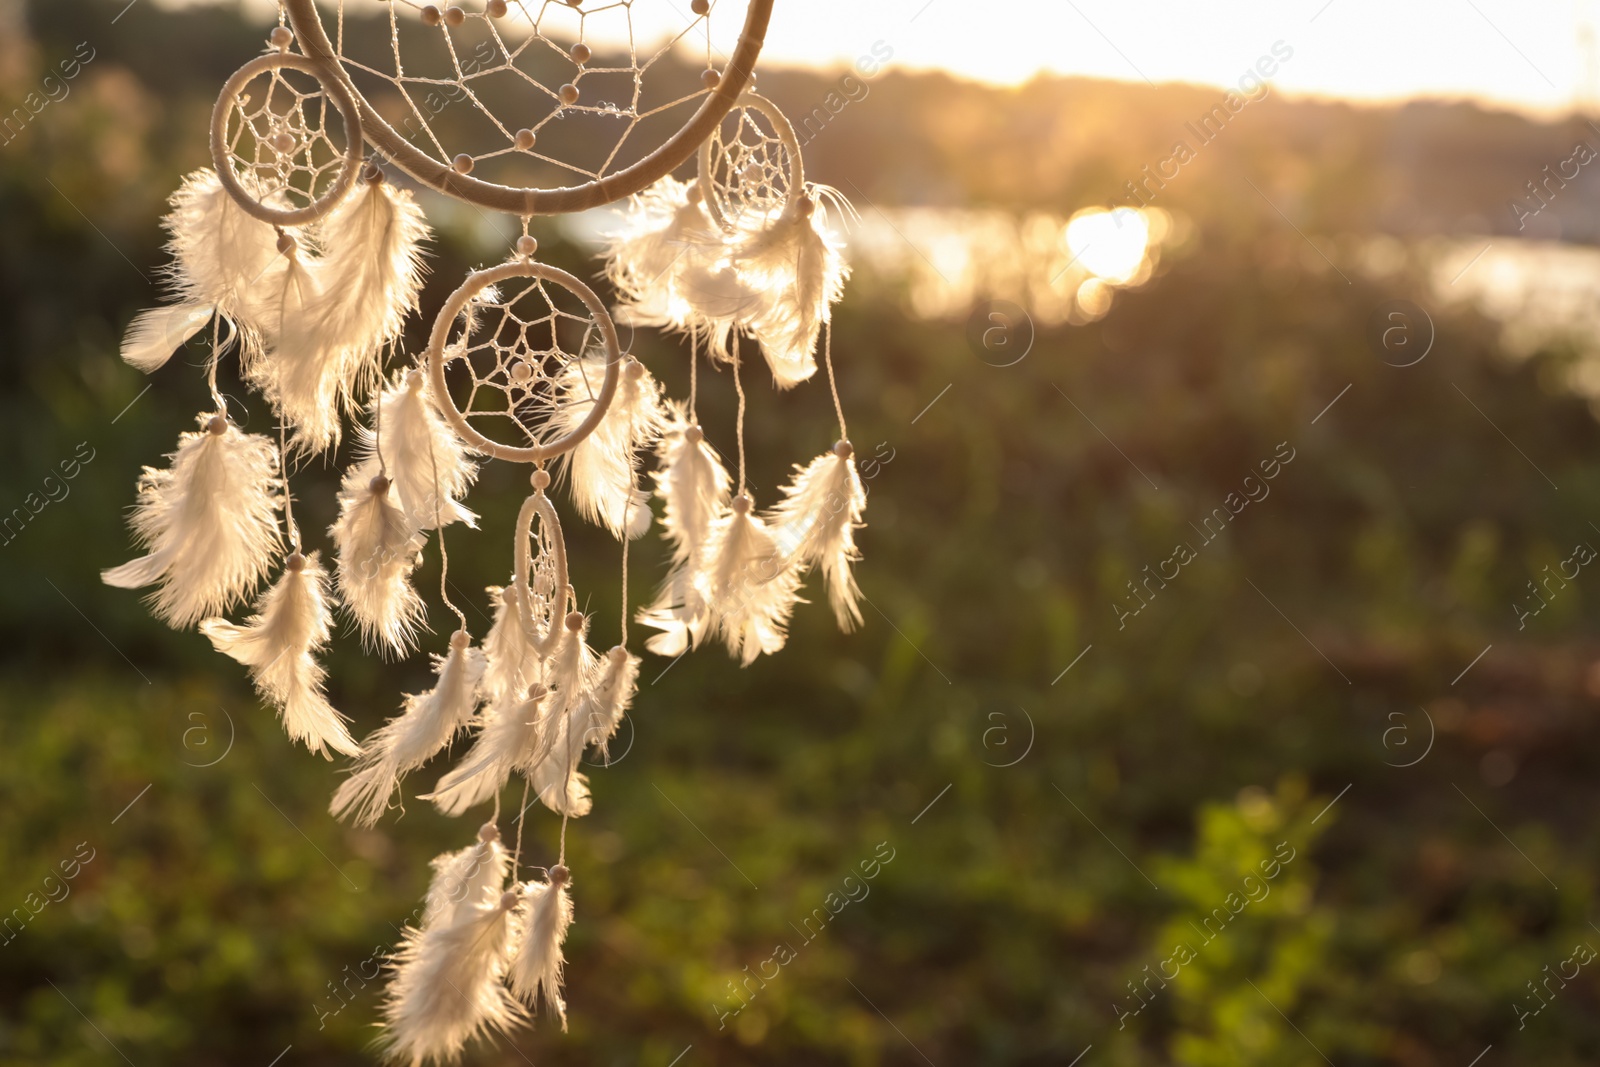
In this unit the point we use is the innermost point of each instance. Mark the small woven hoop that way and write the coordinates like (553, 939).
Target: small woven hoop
(753, 101)
(440, 338)
(221, 157)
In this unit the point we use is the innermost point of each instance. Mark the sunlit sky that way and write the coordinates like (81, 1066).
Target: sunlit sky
(1533, 55)
(1525, 53)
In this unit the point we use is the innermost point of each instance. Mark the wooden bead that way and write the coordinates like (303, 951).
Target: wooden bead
(574, 621)
(527, 245)
(454, 16)
(568, 93)
(540, 479)
(295, 563)
(700, 7)
(462, 164)
(520, 373)
(580, 53)
(524, 139)
(710, 79)
(218, 425)
(495, 9)
(741, 504)
(431, 16)
(282, 37)
(843, 449)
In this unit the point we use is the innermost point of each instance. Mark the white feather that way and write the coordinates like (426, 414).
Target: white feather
(815, 525)
(352, 304)
(537, 963)
(510, 735)
(427, 723)
(425, 460)
(510, 655)
(749, 586)
(447, 987)
(553, 769)
(209, 522)
(694, 485)
(154, 335)
(221, 254)
(377, 549)
(608, 700)
(466, 879)
(280, 644)
(668, 263)
(799, 270)
(602, 466)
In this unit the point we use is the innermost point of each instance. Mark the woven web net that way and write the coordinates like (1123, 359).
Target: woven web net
(507, 367)
(751, 170)
(278, 135)
(479, 85)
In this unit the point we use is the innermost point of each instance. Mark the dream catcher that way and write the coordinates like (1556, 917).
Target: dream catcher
(301, 253)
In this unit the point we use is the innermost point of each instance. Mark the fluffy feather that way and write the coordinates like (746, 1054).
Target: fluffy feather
(511, 659)
(425, 460)
(815, 524)
(553, 769)
(508, 738)
(694, 485)
(377, 548)
(352, 305)
(608, 700)
(668, 264)
(280, 644)
(800, 271)
(426, 724)
(154, 335)
(536, 966)
(466, 879)
(602, 467)
(209, 523)
(447, 987)
(220, 252)
(750, 587)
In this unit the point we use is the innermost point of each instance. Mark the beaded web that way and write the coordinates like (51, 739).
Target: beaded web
(550, 93)
(279, 138)
(506, 366)
(750, 173)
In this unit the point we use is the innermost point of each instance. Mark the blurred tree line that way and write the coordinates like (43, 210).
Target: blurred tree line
(1055, 833)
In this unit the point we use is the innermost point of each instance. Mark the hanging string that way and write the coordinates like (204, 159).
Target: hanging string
(288, 494)
(694, 375)
(516, 857)
(738, 387)
(438, 524)
(625, 542)
(216, 357)
(833, 384)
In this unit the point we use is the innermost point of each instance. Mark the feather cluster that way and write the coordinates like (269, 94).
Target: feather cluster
(427, 723)
(775, 276)
(603, 466)
(329, 320)
(447, 985)
(315, 310)
(750, 586)
(280, 644)
(209, 522)
(668, 262)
